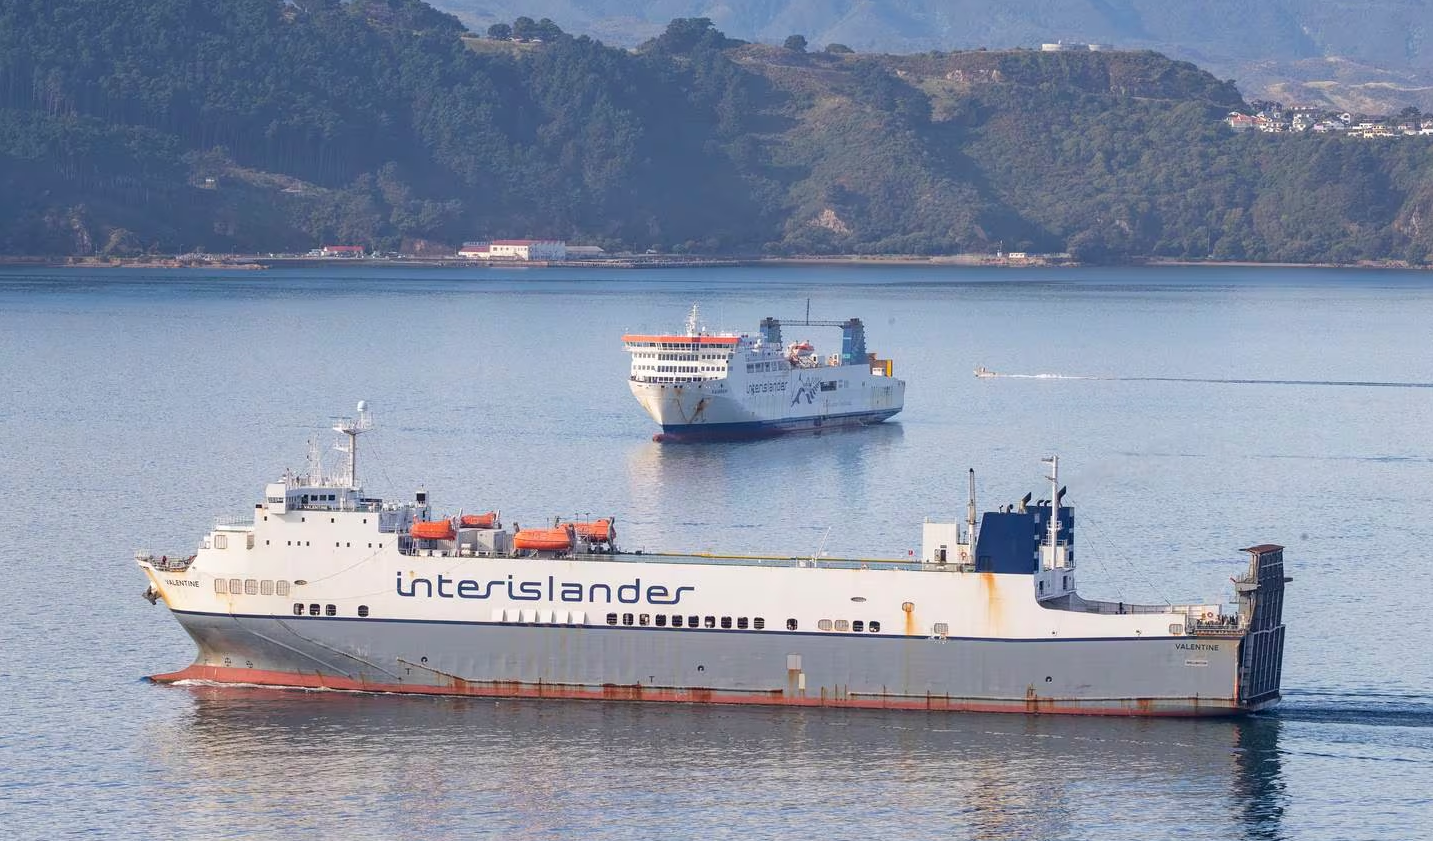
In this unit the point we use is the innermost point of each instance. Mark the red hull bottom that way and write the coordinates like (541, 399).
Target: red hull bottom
(611, 692)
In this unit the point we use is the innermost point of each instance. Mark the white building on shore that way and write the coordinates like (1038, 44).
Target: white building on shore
(515, 249)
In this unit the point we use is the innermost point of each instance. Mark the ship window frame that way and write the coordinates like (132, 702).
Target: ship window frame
(236, 586)
(251, 586)
(676, 620)
(330, 610)
(281, 588)
(941, 629)
(363, 611)
(644, 619)
(792, 625)
(660, 620)
(266, 587)
(628, 619)
(611, 619)
(298, 608)
(694, 621)
(824, 625)
(875, 626)
(843, 625)
(858, 626)
(742, 623)
(314, 609)
(726, 623)
(758, 623)
(221, 586)
(709, 622)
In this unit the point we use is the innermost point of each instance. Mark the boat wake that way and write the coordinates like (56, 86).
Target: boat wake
(986, 374)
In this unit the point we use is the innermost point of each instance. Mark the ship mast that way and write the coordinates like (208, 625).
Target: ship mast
(970, 515)
(353, 427)
(1054, 477)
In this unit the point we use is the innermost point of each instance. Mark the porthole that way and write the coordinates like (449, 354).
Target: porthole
(644, 619)
(611, 619)
(627, 619)
(677, 621)
(726, 621)
(661, 621)
(298, 609)
(758, 623)
(875, 627)
(330, 610)
(791, 624)
(710, 622)
(858, 626)
(741, 623)
(314, 609)
(363, 610)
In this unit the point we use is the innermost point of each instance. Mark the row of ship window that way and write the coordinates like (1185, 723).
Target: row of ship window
(336, 544)
(741, 623)
(316, 609)
(250, 587)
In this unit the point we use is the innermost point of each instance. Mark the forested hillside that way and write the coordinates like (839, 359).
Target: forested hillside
(132, 126)
(1370, 55)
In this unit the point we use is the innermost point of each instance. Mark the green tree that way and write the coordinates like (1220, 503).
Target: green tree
(795, 43)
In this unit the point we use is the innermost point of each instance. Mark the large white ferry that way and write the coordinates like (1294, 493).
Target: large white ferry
(703, 386)
(325, 586)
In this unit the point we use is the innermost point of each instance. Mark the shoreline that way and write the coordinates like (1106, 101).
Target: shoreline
(257, 262)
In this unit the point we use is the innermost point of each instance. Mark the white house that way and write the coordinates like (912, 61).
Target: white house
(515, 249)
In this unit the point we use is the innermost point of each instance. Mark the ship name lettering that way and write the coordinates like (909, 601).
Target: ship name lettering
(553, 590)
(1196, 646)
(180, 582)
(758, 388)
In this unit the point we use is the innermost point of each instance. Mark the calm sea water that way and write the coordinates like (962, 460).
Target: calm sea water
(137, 406)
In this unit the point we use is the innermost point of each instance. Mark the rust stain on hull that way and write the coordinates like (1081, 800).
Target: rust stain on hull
(837, 697)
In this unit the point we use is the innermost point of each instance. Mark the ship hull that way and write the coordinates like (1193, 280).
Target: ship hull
(1114, 676)
(779, 405)
(752, 430)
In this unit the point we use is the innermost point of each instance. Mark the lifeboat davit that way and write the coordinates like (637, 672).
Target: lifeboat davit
(596, 531)
(433, 530)
(479, 521)
(544, 540)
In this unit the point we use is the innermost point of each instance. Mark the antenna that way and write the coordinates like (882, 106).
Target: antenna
(353, 427)
(970, 514)
(692, 321)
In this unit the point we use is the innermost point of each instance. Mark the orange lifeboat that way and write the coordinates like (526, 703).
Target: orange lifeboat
(479, 521)
(596, 531)
(433, 530)
(545, 540)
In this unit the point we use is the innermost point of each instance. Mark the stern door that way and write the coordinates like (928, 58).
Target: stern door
(1261, 601)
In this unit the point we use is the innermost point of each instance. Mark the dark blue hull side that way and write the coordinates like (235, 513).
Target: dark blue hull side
(693, 433)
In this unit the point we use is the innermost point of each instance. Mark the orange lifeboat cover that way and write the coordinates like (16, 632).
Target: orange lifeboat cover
(597, 531)
(479, 521)
(551, 540)
(433, 530)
